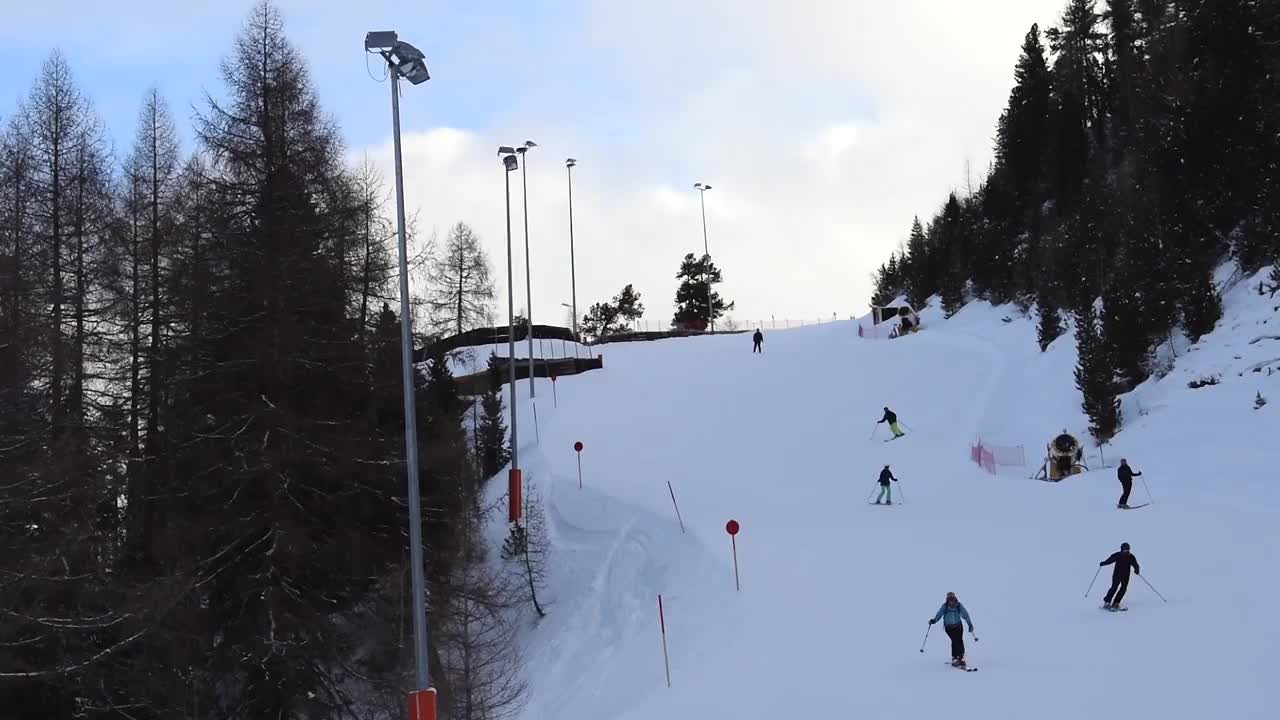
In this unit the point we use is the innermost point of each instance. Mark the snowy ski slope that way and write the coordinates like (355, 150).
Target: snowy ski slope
(836, 593)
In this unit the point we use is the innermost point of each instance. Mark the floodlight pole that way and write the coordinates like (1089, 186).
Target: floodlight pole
(528, 273)
(573, 278)
(410, 412)
(706, 254)
(511, 331)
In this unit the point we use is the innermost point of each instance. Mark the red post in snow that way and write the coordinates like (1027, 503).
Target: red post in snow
(513, 495)
(662, 623)
(422, 704)
(577, 447)
(732, 528)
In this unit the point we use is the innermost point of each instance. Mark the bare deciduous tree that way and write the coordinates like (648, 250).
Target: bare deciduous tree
(460, 287)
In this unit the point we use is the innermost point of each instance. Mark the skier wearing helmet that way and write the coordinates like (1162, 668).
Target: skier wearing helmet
(952, 613)
(1123, 561)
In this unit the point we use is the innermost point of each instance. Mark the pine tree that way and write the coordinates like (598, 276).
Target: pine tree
(1049, 327)
(697, 277)
(491, 439)
(611, 318)
(1094, 374)
(917, 268)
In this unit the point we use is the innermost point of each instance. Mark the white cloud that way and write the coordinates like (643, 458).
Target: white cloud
(823, 127)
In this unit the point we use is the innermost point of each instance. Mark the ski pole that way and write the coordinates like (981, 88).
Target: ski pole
(873, 491)
(1094, 580)
(902, 497)
(1148, 489)
(1157, 592)
(874, 429)
(926, 637)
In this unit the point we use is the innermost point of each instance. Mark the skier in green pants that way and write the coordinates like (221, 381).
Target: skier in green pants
(885, 492)
(892, 419)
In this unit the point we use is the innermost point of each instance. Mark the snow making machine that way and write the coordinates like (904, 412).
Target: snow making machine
(1063, 456)
(903, 317)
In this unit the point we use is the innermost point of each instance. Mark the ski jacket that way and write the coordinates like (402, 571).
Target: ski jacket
(886, 476)
(953, 615)
(889, 416)
(758, 337)
(1126, 473)
(1123, 560)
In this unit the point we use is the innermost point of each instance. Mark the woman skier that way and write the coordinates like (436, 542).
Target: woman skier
(952, 613)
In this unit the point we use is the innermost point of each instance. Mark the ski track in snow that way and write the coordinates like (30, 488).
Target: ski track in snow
(835, 594)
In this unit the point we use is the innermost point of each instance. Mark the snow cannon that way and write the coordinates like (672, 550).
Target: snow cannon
(1063, 457)
(903, 316)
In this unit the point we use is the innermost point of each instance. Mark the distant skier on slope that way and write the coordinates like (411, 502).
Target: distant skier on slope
(951, 613)
(1123, 561)
(757, 340)
(1126, 475)
(885, 492)
(892, 419)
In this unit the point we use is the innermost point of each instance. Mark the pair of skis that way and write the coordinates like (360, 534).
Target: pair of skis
(966, 668)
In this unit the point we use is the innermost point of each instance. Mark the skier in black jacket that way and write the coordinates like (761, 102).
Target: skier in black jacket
(885, 491)
(1126, 475)
(757, 340)
(1123, 561)
(892, 419)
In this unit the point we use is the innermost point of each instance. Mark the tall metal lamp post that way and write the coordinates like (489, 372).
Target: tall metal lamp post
(509, 163)
(573, 277)
(702, 189)
(406, 61)
(528, 275)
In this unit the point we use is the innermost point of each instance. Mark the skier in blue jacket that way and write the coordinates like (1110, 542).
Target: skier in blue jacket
(952, 613)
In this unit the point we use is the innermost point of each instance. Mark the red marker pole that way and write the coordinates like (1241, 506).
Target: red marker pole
(662, 623)
(577, 447)
(732, 528)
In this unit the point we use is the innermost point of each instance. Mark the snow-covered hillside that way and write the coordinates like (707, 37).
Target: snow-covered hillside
(836, 592)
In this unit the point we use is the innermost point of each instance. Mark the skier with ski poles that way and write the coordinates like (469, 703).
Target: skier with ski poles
(1126, 475)
(952, 613)
(885, 492)
(1123, 561)
(891, 418)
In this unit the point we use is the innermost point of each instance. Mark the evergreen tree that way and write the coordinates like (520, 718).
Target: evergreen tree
(917, 268)
(1049, 327)
(954, 246)
(697, 277)
(491, 440)
(611, 318)
(1094, 374)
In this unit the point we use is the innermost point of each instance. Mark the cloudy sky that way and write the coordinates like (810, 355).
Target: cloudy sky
(822, 125)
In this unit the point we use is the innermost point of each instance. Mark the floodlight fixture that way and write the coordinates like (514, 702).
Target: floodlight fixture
(570, 162)
(506, 150)
(510, 162)
(380, 39)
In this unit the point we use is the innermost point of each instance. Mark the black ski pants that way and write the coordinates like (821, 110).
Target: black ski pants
(756, 347)
(1128, 486)
(1119, 584)
(956, 633)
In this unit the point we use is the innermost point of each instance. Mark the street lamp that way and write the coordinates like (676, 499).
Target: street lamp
(573, 278)
(404, 60)
(528, 286)
(702, 189)
(510, 162)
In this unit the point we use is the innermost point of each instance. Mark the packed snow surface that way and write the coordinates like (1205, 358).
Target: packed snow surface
(836, 592)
